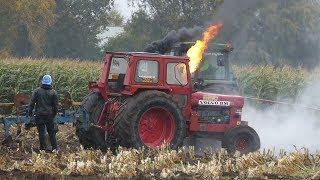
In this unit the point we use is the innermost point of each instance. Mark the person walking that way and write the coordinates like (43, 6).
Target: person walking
(45, 102)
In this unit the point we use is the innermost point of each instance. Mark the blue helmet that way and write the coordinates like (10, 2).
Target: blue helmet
(47, 80)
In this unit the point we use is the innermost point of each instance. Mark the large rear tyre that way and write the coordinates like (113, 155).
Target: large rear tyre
(93, 138)
(241, 138)
(149, 119)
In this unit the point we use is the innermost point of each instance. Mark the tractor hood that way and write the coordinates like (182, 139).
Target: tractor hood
(210, 99)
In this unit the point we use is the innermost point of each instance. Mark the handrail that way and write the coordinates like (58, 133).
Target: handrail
(6, 104)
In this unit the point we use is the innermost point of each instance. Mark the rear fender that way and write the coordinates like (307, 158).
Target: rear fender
(242, 123)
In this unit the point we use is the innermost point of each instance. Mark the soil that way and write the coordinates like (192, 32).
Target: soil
(24, 175)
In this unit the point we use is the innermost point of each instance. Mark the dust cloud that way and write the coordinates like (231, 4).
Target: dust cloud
(283, 127)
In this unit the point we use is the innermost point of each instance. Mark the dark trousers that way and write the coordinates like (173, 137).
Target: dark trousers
(43, 123)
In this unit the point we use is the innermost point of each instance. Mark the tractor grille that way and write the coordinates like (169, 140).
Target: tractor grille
(213, 115)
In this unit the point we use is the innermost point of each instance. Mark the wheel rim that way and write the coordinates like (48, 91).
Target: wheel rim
(242, 144)
(156, 126)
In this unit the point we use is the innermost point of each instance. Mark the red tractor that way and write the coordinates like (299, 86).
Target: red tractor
(146, 100)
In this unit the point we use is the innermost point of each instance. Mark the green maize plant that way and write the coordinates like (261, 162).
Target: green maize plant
(24, 75)
(268, 82)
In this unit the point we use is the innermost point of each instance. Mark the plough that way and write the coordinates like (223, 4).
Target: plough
(69, 112)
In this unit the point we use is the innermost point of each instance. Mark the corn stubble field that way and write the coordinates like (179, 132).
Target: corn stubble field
(23, 161)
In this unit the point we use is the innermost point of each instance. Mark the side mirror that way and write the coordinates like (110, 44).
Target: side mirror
(198, 84)
(221, 59)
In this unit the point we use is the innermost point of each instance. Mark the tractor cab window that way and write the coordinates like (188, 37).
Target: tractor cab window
(147, 71)
(118, 67)
(177, 74)
(213, 66)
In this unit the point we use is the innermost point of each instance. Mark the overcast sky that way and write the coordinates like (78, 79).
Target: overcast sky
(123, 8)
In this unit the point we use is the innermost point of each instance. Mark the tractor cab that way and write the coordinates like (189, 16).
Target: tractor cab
(129, 73)
(214, 74)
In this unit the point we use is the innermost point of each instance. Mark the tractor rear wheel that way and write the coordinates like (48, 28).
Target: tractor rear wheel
(241, 138)
(93, 138)
(149, 119)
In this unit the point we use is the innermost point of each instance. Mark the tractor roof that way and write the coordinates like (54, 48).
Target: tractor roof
(146, 54)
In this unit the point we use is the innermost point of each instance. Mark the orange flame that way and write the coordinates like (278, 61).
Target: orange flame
(195, 53)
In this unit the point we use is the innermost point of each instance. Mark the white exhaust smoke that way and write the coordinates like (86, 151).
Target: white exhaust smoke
(283, 127)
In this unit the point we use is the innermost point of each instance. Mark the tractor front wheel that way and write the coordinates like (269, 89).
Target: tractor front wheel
(150, 119)
(93, 138)
(241, 138)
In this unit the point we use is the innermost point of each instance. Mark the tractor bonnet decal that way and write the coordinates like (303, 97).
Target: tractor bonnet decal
(214, 103)
(210, 98)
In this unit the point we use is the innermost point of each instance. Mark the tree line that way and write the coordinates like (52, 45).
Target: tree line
(266, 32)
(54, 28)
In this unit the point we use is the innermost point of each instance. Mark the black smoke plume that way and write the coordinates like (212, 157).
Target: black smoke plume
(230, 10)
(227, 13)
(164, 45)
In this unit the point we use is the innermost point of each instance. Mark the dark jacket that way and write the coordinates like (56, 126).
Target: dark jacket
(45, 102)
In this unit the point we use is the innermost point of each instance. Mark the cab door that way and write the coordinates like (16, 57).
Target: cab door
(179, 81)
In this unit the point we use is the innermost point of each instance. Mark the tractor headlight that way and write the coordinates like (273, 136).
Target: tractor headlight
(238, 113)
